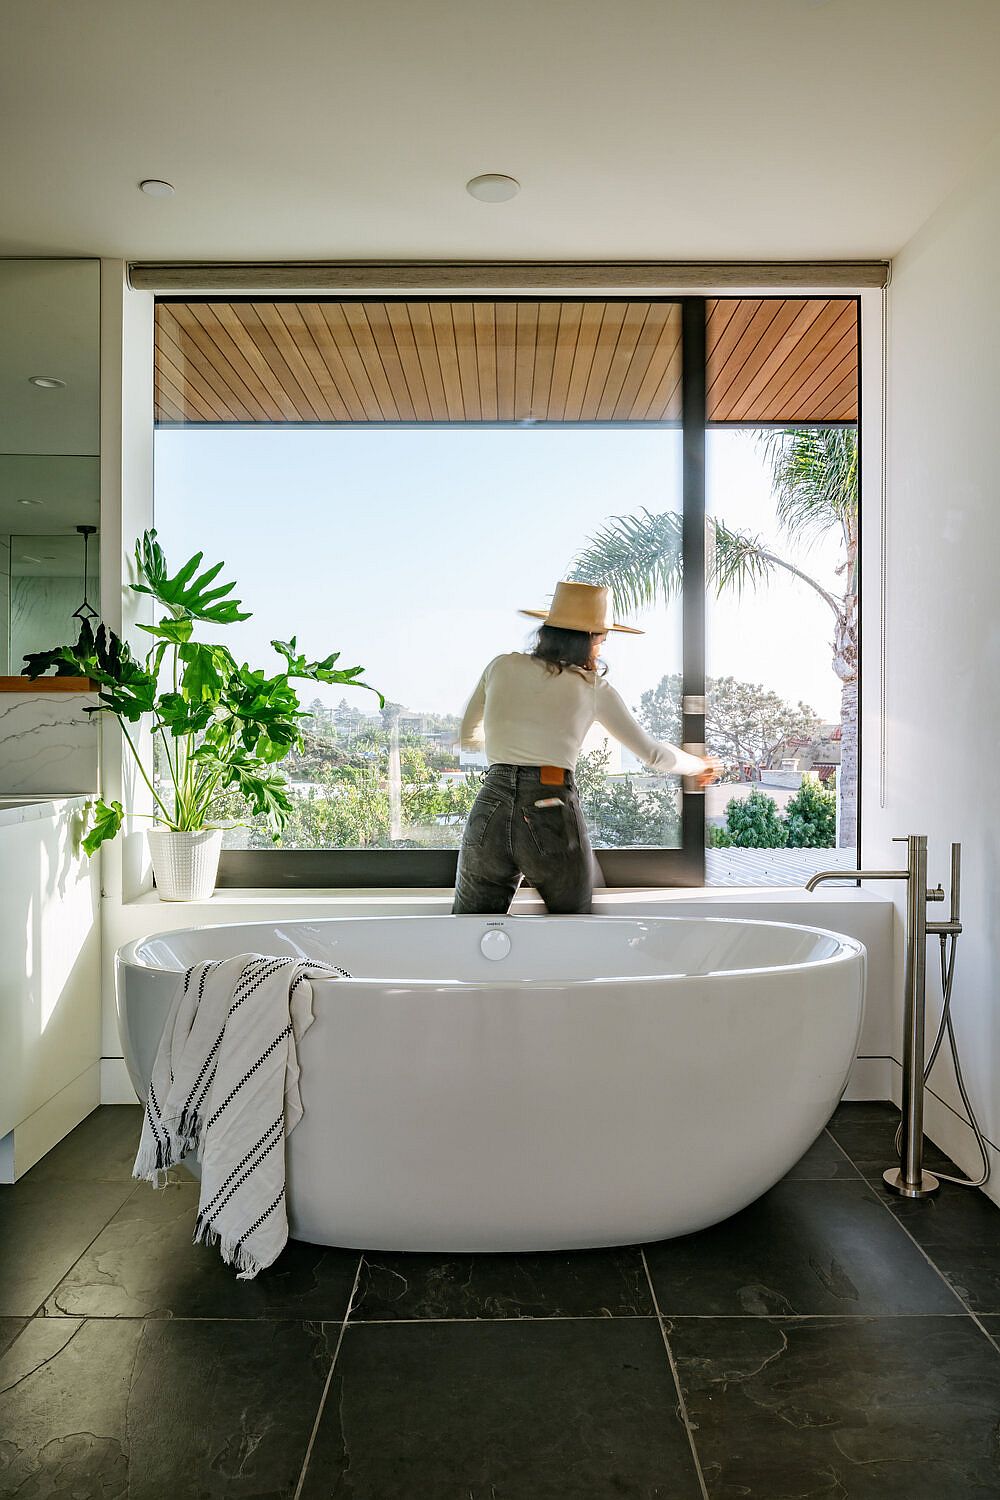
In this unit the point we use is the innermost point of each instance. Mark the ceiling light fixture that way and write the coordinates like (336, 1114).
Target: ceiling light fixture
(493, 187)
(31, 502)
(46, 382)
(155, 187)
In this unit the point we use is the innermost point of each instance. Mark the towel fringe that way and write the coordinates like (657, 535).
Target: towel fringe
(154, 1158)
(233, 1251)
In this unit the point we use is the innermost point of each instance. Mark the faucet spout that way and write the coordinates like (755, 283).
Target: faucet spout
(818, 879)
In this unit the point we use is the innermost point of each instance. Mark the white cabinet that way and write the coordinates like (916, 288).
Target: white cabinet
(49, 979)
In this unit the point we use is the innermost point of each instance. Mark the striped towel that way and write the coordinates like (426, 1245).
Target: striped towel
(225, 1084)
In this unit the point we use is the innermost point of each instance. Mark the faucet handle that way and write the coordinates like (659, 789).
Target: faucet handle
(937, 894)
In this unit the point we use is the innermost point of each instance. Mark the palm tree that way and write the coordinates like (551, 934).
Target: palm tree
(814, 472)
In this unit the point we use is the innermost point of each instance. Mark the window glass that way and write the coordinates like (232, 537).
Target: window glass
(781, 653)
(410, 551)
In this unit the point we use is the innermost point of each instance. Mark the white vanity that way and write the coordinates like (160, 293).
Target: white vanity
(49, 978)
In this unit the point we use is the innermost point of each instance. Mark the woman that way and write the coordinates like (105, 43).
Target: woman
(535, 710)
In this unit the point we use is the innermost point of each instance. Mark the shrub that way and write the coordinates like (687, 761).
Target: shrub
(811, 817)
(754, 822)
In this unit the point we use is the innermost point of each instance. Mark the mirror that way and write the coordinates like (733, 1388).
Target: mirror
(50, 312)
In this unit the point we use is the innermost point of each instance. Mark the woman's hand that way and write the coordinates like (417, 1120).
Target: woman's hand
(713, 767)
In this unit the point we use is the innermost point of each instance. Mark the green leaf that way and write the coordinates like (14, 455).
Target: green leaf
(264, 790)
(187, 593)
(181, 716)
(172, 631)
(207, 669)
(69, 661)
(129, 688)
(321, 671)
(106, 819)
(264, 713)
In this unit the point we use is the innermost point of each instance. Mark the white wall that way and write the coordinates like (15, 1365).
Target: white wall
(942, 621)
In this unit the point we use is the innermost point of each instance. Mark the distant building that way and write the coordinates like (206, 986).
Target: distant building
(805, 755)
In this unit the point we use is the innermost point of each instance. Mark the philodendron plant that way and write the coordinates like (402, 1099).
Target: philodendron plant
(221, 725)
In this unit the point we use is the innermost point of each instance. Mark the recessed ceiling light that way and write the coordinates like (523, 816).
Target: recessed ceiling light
(46, 382)
(156, 188)
(31, 502)
(493, 187)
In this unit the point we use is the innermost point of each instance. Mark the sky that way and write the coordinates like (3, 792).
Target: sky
(411, 550)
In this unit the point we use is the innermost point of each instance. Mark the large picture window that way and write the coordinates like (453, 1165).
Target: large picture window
(394, 481)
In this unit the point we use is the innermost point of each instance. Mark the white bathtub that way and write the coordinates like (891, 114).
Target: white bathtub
(610, 1080)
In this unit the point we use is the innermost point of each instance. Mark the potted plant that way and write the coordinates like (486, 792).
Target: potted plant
(220, 725)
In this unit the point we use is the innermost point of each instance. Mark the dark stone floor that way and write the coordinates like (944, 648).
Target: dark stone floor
(829, 1341)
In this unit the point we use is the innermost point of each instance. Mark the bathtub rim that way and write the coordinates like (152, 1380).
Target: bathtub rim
(127, 956)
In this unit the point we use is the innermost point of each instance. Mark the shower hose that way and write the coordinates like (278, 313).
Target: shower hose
(946, 1027)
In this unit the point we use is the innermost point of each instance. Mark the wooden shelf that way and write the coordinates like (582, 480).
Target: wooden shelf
(46, 685)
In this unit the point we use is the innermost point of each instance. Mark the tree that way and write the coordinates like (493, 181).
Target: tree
(754, 823)
(744, 722)
(620, 815)
(814, 472)
(341, 798)
(811, 817)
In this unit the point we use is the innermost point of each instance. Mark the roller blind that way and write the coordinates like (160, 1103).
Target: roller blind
(389, 277)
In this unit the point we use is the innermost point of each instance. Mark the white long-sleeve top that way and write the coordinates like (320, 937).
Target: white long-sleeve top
(529, 715)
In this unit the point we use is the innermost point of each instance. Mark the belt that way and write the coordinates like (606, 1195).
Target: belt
(547, 775)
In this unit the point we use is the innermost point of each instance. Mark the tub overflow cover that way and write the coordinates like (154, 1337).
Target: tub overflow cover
(494, 944)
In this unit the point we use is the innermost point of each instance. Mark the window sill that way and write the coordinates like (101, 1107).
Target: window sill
(436, 901)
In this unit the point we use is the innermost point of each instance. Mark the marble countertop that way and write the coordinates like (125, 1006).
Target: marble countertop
(14, 809)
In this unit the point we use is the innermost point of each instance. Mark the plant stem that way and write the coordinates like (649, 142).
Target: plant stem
(142, 770)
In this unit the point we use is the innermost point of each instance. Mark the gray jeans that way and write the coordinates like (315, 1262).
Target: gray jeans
(520, 826)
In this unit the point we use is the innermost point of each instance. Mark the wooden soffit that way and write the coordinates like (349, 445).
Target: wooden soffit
(248, 361)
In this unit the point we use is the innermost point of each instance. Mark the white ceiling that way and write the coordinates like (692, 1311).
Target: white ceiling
(642, 129)
(50, 325)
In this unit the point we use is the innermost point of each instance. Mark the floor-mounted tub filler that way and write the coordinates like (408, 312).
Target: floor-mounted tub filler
(538, 1083)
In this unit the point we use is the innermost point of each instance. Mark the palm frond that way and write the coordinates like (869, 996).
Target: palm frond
(734, 559)
(814, 472)
(639, 558)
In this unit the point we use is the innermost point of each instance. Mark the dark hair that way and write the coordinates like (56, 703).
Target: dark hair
(567, 648)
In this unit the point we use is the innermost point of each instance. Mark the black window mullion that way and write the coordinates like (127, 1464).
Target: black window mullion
(693, 407)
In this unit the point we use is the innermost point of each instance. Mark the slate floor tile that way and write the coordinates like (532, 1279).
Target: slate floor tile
(502, 1411)
(867, 1133)
(822, 1161)
(9, 1330)
(959, 1229)
(144, 1265)
(863, 1111)
(102, 1148)
(149, 1410)
(844, 1409)
(574, 1284)
(805, 1248)
(44, 1227)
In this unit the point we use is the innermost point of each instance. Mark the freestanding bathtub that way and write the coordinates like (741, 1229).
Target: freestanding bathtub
(539, 1083)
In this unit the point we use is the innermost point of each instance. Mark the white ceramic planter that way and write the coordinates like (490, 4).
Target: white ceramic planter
(185, 865)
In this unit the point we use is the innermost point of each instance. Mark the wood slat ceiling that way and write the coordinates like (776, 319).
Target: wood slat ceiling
(769, 360)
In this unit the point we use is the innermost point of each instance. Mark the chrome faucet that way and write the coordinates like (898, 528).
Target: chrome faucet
(909, 1178)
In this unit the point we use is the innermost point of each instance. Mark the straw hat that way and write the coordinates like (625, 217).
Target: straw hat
(580, 606)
